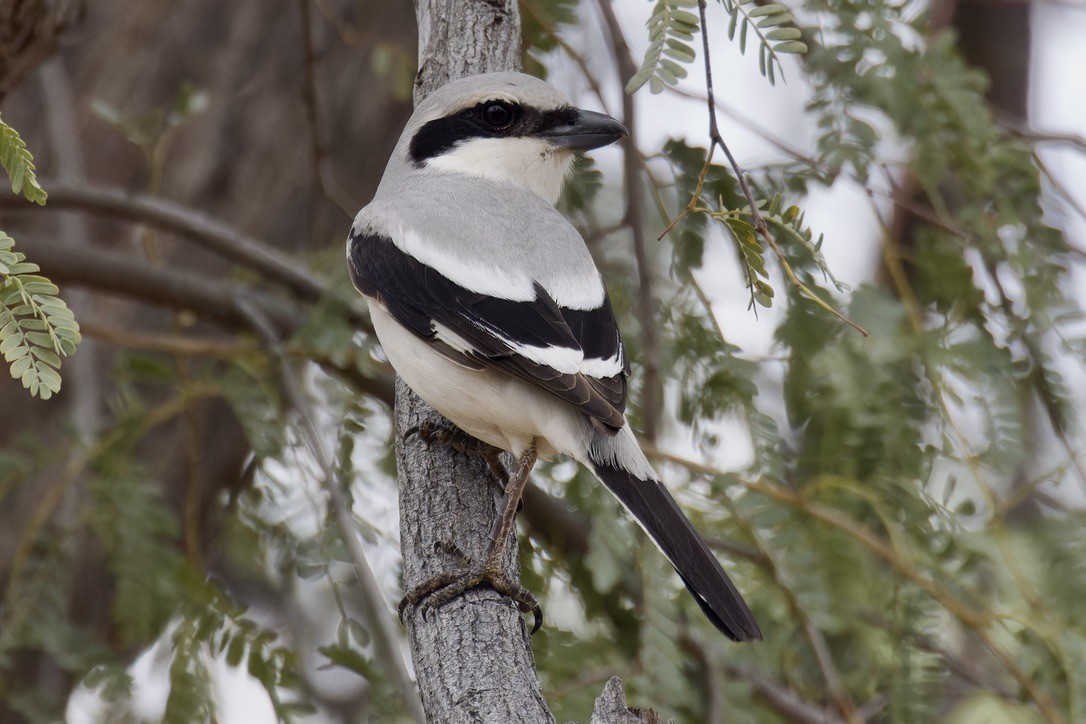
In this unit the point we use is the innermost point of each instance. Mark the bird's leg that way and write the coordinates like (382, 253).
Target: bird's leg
(445, 587)
(464, 443)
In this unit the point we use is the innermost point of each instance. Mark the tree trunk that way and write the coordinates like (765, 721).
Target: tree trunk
(472, 656)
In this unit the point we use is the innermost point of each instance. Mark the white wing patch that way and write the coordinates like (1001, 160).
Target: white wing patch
(487, 279)
(603, 368)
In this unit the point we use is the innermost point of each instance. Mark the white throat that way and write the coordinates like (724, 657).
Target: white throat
(530, 163)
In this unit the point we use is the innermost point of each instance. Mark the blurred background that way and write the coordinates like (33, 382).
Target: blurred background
(903, 511)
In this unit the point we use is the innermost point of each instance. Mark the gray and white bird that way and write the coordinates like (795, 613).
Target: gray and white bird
(488, 304)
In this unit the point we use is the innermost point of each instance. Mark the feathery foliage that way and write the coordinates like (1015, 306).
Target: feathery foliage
(671, 29)
(769, 23)
(36, 326)
(19, 165)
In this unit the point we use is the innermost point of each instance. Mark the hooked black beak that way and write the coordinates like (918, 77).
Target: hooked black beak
(587, 131)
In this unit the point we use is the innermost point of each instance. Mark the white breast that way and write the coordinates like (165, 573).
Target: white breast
(498, 409)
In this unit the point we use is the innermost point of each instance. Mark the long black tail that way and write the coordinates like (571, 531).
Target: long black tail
(658, 513)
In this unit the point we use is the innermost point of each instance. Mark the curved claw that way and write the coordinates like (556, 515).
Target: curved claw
(443, 588)
(537, 622)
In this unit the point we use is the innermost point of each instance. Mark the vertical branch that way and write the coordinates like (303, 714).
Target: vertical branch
(634, 219)
(322, 174)
(64, 138)
(473, 659)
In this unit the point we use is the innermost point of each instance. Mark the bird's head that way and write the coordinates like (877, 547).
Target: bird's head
(507, 127)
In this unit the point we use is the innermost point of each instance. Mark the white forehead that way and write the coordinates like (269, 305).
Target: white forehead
(473, 90)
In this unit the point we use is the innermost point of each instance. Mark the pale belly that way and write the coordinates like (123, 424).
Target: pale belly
(496, 408)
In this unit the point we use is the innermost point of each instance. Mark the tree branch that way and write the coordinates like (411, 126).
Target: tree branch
(473, 658)
(112, 272)
(220, 238)
(116, 273)
(322, 172)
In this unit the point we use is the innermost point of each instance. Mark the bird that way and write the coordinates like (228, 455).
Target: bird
(488, 304)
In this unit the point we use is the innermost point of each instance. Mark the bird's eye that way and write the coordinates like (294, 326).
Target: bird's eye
(498, 115)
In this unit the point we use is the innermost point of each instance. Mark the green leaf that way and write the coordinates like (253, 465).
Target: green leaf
(791, 46)
(770, 9)
(350, 659)
(19, 165)
(36, 326)
(784, 34)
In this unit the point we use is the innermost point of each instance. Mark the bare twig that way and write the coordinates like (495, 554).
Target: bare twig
(195, 226)
(782, 698)
(717, 141)
(322, 171)
(111, 272)
(380, 616)
(1023, 130)
(171, 343)
(894, 196)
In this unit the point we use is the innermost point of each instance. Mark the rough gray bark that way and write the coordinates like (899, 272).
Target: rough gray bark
(472, 656)
(611, 708)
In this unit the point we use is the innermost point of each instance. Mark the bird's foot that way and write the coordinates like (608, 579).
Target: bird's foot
(465, 444)
(444, 587)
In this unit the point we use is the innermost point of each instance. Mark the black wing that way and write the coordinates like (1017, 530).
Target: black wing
(418, 297)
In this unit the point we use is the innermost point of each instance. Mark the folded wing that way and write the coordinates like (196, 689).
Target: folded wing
(575, 354)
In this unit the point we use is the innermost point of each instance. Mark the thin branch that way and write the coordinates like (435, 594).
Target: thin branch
(780, 697)
(717, 141)
(532, 8)
(379, 616)
(112, 272)
(710, 678)
(176, 344)
(652, 396)
(322, 171)
(893, 196)
(823, 656)
(1023, 130)
(197, 227)
(118, 273)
